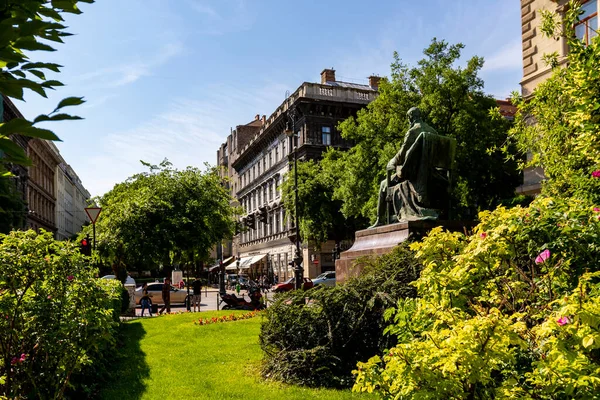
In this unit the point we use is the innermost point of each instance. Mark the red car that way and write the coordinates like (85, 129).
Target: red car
(289, 285)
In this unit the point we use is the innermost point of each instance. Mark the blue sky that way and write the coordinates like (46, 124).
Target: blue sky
(169, 78)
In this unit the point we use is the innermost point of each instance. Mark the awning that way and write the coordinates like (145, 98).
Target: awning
(225, 262)
(247, 262)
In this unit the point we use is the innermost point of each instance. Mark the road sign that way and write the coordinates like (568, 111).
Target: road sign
(93, 213)
(315, 262)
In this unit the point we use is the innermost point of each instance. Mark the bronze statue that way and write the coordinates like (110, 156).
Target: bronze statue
(418, 176)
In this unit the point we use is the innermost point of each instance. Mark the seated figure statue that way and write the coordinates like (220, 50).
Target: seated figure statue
(418, 176)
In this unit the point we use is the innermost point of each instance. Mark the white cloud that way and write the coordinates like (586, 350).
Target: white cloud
(508, 57)
(121, 75)
(188, 132)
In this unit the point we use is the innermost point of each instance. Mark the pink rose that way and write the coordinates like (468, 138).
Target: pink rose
(596, 209)
(563, 321)
(49, 297)
(70, 278)
(483, 235)
(14, 361)
(542, 257)
(596, 174)
(23, 357)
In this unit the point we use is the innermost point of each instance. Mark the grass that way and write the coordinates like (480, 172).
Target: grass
(172, 358)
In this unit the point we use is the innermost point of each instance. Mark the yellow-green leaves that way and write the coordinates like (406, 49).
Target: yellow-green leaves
(490, 321)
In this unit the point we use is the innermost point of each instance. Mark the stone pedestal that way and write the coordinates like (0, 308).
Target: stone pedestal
(381, 240)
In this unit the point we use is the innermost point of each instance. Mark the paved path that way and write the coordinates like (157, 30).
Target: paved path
(208, 301)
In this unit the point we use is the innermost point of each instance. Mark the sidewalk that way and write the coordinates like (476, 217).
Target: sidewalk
(208, 301)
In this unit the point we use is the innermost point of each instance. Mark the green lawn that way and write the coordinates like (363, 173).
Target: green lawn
(171, 358)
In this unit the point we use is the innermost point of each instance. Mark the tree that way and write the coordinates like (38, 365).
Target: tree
(163, 216)
(451, 99)
(27, 26)
(560, 124)
(12, 206)
(320, 216)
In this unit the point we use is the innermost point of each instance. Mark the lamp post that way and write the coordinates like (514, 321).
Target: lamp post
(298, 270)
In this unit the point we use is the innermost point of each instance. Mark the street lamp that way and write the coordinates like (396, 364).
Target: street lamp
(298, 270)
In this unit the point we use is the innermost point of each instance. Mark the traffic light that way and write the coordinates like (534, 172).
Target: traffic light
(86, 246)
(263, 215)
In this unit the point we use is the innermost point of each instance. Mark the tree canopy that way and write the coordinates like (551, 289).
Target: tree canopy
(452, 100)
(163, 216)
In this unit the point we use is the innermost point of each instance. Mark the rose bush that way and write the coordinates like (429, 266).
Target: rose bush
(57, 320)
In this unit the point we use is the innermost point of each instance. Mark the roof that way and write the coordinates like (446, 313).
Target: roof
(350, 85)
(507, 109)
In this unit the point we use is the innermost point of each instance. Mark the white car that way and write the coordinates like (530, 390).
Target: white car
(325, 279)
(128, 281)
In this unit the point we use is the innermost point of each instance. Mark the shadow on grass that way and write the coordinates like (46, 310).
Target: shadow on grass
(131, 368)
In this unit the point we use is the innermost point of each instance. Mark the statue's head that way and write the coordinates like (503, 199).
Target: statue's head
(414, 115)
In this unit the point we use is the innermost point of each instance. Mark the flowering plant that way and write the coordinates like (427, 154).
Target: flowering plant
(516, 315)
(226, 318)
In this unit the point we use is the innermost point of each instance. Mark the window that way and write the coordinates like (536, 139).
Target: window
(270, 191)
(265, 195)
(276, 227)
(264, 164)
(587, 27)
(270, 159)
(277, 153)
(258, 167)
(277, 187)
(326, 135)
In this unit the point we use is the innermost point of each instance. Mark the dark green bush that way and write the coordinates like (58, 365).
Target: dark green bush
(315, 338)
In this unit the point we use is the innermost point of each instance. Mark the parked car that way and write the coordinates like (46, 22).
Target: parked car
(155, 293)
(289, 285)
(325, 279)
(128, 281)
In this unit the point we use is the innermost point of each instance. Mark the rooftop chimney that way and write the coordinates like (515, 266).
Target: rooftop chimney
(257, 117)
(328, 75)
(374, 81)
(264, 119)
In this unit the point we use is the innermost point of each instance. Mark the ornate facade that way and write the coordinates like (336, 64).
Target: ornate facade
(41, 192)
(71, 199)
(257, 160)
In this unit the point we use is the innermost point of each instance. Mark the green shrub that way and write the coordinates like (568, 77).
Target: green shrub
(512, 311)
(57, 321)
(315, 338)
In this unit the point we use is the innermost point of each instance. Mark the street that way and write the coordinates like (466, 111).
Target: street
(208, 302)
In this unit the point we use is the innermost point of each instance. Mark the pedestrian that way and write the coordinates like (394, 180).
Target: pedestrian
(145, 300)
(181, 284)
(197, 287)
(166, 296)
(238, 287)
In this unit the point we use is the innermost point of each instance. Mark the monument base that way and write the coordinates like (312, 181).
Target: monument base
(381, 240)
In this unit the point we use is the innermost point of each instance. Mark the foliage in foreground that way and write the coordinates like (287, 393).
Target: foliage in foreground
(560, 124)
(28, 26)
(57, 321)
(510, 312)
(315, 338)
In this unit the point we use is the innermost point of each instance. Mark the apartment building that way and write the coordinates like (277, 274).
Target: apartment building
(71, 199)
(257, 157)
